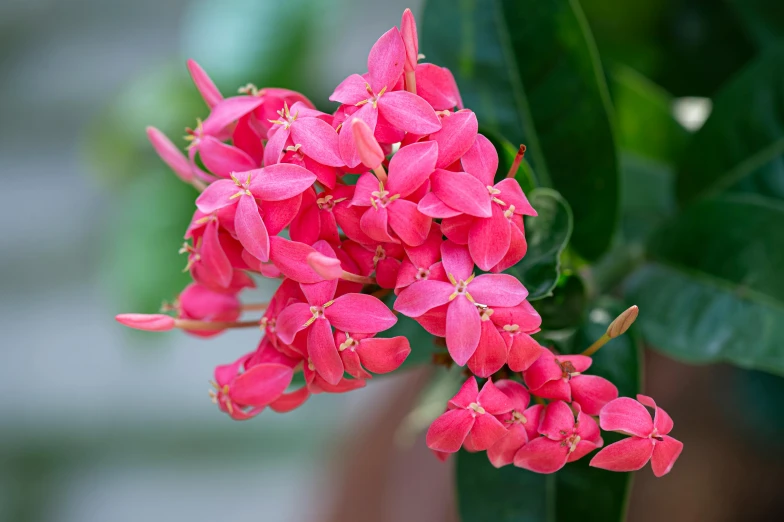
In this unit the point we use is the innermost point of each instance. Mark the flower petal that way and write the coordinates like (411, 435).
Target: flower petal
(626, 415)
(204, 84)
(409, 112)
(431, 206)
(290, 257)
(348, 147)
(665, 453)
(411, 166)
(486, 431)
(251, 230)
(523, 352)
(261, 384)
(318, 139)
(518, 395)
(502, 453)
(381, 355)
(290, 401)
(489, 239)
(592, 392)
(493, 400)
(462, 192)
(228, 111)
(323, 352)
(661, 419)
(280, 181)
(512, 194)
(375, 223)
(490, 354)
(222, 159)
(217, 196)
(625, 455)
(457, 134)
(448, 431)
(456, 260)
(386, 60)
(360, 313)
(437, 86)
(408, 222)
(422, 296)
(557, 420)
(481, 160)
(542, 455)
(497, 290)
(463, 329)
(351, 91)
(291, 320)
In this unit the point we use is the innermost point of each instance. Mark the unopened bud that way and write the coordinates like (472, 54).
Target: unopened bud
(622, 322)
(408, 31)
(327, 267)
(369, 150)
(147, 322)
(204, 84)
(170, 154)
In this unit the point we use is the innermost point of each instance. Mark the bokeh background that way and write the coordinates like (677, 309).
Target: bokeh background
(98, 423)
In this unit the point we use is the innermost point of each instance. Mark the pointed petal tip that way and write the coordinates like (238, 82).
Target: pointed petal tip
(147, 322)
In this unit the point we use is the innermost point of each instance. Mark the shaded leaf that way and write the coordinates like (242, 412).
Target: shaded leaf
(547, 235)
(714, 290)
(530, 71)
(741, 145)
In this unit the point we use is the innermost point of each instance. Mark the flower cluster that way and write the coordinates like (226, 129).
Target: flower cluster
(393, 195)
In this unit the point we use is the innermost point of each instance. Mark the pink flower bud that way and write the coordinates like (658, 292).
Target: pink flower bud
(148, 322)
(204, 84)
(409, 32)
(370, 152)
(623, 322)
(327, 267)
(170, 154)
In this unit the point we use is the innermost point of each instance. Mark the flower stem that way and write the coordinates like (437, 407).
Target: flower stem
(190, 324)
(516, 164)
(411, 82)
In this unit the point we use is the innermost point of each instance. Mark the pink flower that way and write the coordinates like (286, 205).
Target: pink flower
(321, 214)
(376, 98)
(516, 325)
(356, 313)
(496, 240)
(464, 293)
(306, 129)
(388, 211)
(470, 412)
(561, 377)
(563, 439)
(147, 322)
(271, 184)
(422, 262)
(378, 355)
(204, 84)
(521, 422)
(244, 394)
(202, 304)
(174, 158)
(649, 438)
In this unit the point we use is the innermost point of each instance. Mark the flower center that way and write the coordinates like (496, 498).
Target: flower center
(484, 312)
(422, 273)
(328, 202)
(567, 369)
(373, 97)
(268, 324)
(220, 396)
(572, 441)
(518, 417)
(493, 193)
(508, 213)
(317, 311)
(380, 255)
(477, 409)
(461, 287)
(244, 187)
(286, 118)
(350, 343)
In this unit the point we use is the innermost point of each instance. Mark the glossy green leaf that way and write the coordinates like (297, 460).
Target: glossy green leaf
(577, 492)
(741, 145)
(647, 197)
(547, 235)
(565, 306)
(644, 116)
(762, 19)
(530, 71)
(715, 290)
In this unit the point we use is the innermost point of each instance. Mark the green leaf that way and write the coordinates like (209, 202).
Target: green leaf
(530, 71)
(645, 122)
(547, 235)
(565, 306)
(577, 492)
(763, 20)
(715, 290)
(741, 145)
(647, 197)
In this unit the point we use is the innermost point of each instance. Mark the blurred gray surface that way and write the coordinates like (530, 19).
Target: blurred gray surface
(98, 425)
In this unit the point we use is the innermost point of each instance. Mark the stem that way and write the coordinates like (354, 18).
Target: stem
(601, 341)
(411, 82)
(190, 324)
(516, 164)
(198, 184)
(381, 174)
(355, 278)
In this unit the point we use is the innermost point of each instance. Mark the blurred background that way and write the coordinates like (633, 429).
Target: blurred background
(98, 423)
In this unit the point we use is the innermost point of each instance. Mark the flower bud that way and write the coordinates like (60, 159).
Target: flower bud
(327, 267)
(204, 84)
(622, 322)
(147, 322)
(369, 150)
(170, 154)
(409, 32)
